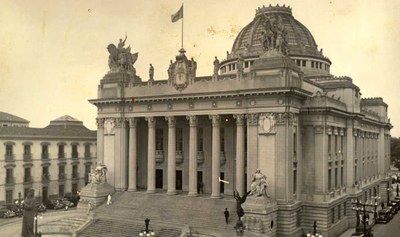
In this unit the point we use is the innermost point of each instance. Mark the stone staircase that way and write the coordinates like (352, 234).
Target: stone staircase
(168, 215)
(65, 226)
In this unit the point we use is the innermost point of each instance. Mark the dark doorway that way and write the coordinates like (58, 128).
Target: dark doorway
(222, 187)
(200, 183)
(159, 178)
(179, 180)
(44, 194)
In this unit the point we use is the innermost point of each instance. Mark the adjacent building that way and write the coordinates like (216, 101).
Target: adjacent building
(271, 104)
(54, 160)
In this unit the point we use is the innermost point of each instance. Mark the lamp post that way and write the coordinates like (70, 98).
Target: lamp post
(37, 234)
(359, 206)
(147, 231)
(314, 232)
(239, 228)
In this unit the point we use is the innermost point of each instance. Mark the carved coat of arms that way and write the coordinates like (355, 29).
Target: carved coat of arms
(181, 78)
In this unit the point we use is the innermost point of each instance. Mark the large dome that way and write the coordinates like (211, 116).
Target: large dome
(301, 45)
(300, 40)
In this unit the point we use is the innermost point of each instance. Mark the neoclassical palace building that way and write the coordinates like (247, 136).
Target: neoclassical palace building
(271, 104)
(54, 160)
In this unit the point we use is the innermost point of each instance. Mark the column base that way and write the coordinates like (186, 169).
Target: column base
(216, 195)
(172, 192)
(151, 191)
(132, 189)
(192, 194)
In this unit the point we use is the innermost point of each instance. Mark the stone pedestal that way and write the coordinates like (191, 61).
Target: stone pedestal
(260, 216)
(94, 193)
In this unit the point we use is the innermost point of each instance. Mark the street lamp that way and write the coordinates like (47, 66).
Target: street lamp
(314, 232)
(147, 231)
(239, 228)
(359, 206)
(37, 234)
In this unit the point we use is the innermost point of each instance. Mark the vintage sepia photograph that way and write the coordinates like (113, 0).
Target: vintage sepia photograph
(209, 118)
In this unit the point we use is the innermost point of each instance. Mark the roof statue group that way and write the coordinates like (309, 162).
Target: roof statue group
(120, 58)
(273, 37)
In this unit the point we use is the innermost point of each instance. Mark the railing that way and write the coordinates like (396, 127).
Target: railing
(159, 156)
(10, 181)
(9, 157)
(74, 155)
(61, 177)
(45, 156)
(27, 179)
(27, 157)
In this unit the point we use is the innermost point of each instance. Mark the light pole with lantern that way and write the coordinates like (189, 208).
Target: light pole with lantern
(147, 231)
(314, 232)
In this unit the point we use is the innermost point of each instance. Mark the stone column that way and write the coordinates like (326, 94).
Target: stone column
(132, 155)
(215, 163)
(120, 155)
(349, 154)
(171, 155)
(239, 153)
(151, 152)
(100, 140)
(192, 155)
(252, 146)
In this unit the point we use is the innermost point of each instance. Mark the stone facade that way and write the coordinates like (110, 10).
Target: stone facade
(280, 110)
(54, 160)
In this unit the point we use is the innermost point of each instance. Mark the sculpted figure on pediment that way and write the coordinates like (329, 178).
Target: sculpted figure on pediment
(120, 58)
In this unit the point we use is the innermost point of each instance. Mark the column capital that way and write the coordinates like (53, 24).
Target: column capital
(100, 122)
(215, 120)
(252, 119)
(239, 119)
(132, 122)
(171, 121)
(151, 121)
(286, 117)
(192, 120)
(119, 122)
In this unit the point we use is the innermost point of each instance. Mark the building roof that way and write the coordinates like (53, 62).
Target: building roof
(48, 132)
(6, 117)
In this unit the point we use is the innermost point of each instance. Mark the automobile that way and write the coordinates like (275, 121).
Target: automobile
(41, 208)
(384, 215)
(72, 198)
(360, 232)
(9, 214)
(3, 209)
(395, 204)
(54, 204)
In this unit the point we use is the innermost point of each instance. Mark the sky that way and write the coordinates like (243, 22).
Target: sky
(53, 53)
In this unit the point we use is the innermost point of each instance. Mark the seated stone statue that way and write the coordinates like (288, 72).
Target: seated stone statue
(259, 184)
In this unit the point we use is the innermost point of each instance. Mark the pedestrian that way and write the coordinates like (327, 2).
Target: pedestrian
(226, 213)
(90, 207)
(109, 199)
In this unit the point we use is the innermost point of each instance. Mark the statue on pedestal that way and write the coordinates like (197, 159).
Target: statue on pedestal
(216, 66)
(259, 184)
(120, 58)
(98, 175)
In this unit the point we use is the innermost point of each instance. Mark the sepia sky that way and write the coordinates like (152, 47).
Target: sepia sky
(53, 53)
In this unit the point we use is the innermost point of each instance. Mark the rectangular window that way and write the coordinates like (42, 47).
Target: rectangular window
(9, 176)
(74, 151)
(329, 180)
(61, 172)
(294, 181)
(27, 149)
(294, 145)
(298, 62)
(9, 197)
(75, 171)
(336, 144)
(45, 152)
(179, 139)
(341, 144)
(303, 63)
(355, 173)
(222, 139)
(329, 145)
(336, 178)
(159, 139)
(27, 174)
(87, 151)
(333, 215)
(199, 139)
(61, 189)
(339, 212)
(87, 171)
(312, 64)
(9, 150)
(61, 153)
(341, 176)
(45, 173)
(344, 209)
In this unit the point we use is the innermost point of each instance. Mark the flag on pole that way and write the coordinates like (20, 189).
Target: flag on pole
(178, 15)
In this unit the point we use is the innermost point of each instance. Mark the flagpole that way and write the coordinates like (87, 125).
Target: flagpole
(182, 25)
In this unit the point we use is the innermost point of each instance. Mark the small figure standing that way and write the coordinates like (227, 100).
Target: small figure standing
(109, 199)
(170, 68)
(226, 213)
(201, 185)
(90, 207)
(151, 73)
(216, 66)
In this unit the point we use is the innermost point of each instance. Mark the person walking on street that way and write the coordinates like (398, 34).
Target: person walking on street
(226, 213)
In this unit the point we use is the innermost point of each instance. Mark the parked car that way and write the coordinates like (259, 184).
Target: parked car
(41, 208)
(384, 215)
(73, 198)
(3, 209)
(54, 204)
(10, 214)
(360, 231)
